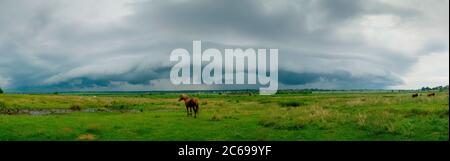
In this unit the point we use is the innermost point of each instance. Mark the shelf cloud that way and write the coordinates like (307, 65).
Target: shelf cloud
(54, 45)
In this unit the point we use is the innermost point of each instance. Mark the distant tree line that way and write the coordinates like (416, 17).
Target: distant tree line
(438, 88)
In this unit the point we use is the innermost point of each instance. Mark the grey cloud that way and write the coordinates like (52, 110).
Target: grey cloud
(44, 47)
(341, 79)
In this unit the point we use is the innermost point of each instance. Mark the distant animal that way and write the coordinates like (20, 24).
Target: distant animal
(431, 94)
(415, 95)
(192, 104)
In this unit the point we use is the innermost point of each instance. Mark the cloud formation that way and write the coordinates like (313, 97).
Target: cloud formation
(125, 44)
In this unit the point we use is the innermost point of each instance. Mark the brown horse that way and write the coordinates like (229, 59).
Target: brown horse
(191, 104)
(415, 95)
(431, 94)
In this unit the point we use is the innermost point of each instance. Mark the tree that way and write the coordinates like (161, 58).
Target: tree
(425, 89)
(1, 91)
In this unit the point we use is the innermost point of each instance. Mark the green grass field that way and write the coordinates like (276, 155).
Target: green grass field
(316, 116)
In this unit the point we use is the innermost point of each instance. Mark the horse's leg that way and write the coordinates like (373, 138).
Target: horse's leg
(187, 111)
(195, 111)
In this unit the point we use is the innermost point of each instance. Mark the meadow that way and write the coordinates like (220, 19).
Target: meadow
(313, 116)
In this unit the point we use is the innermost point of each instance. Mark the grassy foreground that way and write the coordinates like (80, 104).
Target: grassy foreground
(317, 116)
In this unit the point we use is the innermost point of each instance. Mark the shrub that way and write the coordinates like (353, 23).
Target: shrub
(75, 107)
(2, 105)
(118, 106)
(291, 104)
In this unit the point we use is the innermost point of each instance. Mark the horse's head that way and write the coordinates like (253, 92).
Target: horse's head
(183, 97)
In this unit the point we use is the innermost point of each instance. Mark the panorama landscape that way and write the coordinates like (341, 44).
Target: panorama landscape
(127, 70)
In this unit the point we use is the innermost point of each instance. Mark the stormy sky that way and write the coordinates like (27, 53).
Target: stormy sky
(54, 45)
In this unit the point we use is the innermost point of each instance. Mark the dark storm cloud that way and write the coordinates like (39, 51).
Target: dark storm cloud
(101, 82)
(340, 79)
(341, 44)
